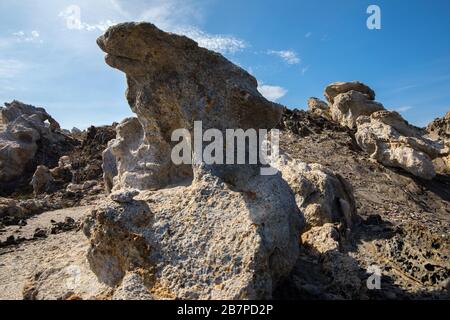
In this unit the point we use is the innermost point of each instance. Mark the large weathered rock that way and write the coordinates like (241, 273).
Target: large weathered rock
(322, 195)
(348, 106)
(28, 133)
(203, 241)
(389, 139)
(173, 82)
(336, 88)
(219, 231)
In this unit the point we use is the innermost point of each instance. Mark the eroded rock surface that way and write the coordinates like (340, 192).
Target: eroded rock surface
(350, 105)
(197, 231)
(336, 88)
(322, 196)
(30, 136)
(319, 107)
(204, 241)
(172, 82)
(389, 139)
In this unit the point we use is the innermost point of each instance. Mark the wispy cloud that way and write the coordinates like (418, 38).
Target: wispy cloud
(72, 17)
(308, 34)
(402, 109)
(168, 15)
(219, 43)
(32, 36)
(272, 93)
(289, 56)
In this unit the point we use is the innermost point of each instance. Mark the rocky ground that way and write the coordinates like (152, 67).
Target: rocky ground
(404, 220)
(360, 208)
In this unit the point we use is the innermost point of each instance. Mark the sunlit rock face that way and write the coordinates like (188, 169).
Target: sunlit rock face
(388, 138)
(172, 83)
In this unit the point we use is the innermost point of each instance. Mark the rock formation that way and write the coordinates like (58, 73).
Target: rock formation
(172, 83)
(42, 180)
(226, 232)
(336, 88)
(439, 130)
(348, 106)
(30, 136)
(389, 139)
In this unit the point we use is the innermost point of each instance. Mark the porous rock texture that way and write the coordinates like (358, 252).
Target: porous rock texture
(389, 139)
(29, 136)
(203, 241)
(439, 130)
(173, 82)
(402, 225)
(348, 106)
(322, 196)
(319, 107)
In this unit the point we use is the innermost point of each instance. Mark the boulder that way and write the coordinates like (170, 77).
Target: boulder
(29, 136)
(322, 195)
(348, 106)
(391, 140)
(42, 180)
(319, 107)
(124, 196)
(336, 88)
(203, 241)
(10, 208)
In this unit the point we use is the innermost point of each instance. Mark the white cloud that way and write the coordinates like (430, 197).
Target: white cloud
(272, 93)
(169, 15)
(287, 55)
(32, 36)
(219, 43)
(72, 17)
(308, 34)
(403, 109)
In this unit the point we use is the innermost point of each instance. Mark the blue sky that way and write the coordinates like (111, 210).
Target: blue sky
(294, 48)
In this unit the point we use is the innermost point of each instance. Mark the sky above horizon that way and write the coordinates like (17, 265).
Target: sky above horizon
(293, 48)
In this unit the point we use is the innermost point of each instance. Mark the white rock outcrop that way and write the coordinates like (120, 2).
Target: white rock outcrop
(350, 105)
(389, 139)
(322, 195)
